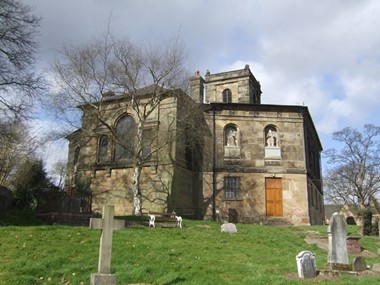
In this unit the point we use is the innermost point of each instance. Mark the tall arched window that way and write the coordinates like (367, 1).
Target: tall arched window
(103, 149)
(227, 96)
(125, 135)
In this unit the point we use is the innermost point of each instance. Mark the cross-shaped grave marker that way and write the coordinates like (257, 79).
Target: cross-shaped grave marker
(107, 224)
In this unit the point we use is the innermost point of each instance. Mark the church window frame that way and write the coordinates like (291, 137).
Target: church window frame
(103, 146)
(227, 96)
(125, 133)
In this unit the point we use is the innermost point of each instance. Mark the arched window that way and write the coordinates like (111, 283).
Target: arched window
(227, 96)
(103, 149)
(125, 135)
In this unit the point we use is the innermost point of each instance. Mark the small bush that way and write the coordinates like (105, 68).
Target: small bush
(366, 216)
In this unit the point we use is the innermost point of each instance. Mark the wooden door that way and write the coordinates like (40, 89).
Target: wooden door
(273, 193)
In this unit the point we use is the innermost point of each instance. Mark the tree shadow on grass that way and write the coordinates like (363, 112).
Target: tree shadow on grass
(176, 281)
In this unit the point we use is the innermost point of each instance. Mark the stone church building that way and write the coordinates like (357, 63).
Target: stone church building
(236, 160)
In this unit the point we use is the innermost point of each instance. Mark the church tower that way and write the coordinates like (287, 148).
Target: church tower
(238, 86)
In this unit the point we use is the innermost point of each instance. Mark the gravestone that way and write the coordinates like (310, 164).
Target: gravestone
(359, 264)
(306, 265)
(228, 228)
(107, 224)
(337, 240)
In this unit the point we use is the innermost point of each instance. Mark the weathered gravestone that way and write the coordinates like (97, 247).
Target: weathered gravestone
(337, 240)
(359, 264)
(306, 265)
(228, 228)
(107, 224)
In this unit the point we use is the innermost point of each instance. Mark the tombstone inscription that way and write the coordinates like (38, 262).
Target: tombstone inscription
(107, 224)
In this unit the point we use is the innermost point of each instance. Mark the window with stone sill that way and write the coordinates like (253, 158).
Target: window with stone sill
(231, 188)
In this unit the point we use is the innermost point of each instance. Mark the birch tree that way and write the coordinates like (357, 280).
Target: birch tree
(88, 75)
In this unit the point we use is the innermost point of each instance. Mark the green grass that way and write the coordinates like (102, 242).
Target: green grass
(197, 254)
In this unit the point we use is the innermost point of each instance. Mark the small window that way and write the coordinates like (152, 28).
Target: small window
(227, 96)
(231, 187)
(103, 149)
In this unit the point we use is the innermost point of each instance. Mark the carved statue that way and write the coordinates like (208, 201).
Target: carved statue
(271, 138)
(231, 138)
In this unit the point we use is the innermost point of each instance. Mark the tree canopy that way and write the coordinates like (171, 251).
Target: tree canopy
(354, 176)
(19, 83)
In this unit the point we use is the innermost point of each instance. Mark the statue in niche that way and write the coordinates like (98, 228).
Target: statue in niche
(271, 138)
(231, 137)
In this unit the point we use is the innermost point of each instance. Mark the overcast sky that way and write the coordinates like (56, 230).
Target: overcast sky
(324, 54)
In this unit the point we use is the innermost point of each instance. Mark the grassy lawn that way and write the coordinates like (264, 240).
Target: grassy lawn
(197, 254)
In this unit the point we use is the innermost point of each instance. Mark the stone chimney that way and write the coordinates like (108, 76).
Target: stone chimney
(197, 87)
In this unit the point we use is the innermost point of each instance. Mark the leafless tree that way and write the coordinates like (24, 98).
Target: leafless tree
(107, 67)
(354, 178)
(19, 83)
(59, 173)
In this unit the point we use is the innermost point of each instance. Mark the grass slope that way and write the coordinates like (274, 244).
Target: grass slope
(197, 254)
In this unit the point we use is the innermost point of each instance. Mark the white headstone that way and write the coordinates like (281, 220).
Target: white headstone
(228, 228)
(306, 265)
(337, 240)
